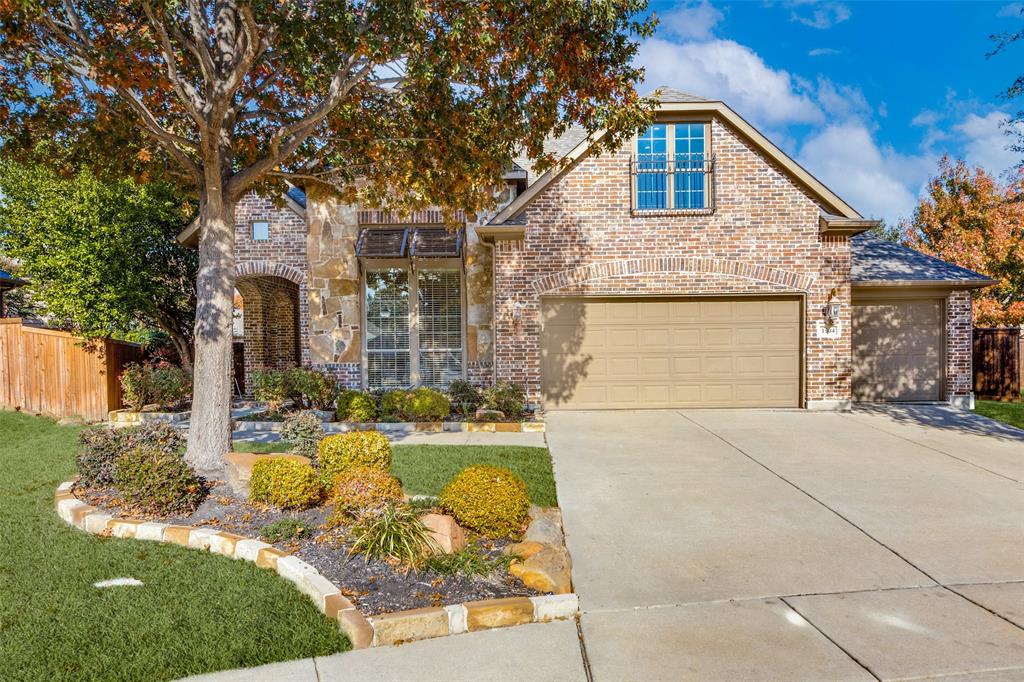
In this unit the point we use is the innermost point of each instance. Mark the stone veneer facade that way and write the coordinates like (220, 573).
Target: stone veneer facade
(582, 238)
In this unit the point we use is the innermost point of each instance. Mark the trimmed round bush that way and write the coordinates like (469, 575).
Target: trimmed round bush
(393, 404)
(363, 490)
(304, 431)
(101, 448)
(157, 482)
(356, 406)
(426, 404)
(490, 500)
(343, 451)
(284, 483)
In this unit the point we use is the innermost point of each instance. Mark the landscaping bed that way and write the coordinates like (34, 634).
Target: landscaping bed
(385, 529)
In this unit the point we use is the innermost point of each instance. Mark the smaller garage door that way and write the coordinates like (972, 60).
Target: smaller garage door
(898, 351)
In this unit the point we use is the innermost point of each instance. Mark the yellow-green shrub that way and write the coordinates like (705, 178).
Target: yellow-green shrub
(426, 404)
(284, 483)
(359, 491)
(490, 500)
(353, 449)
(356, 406)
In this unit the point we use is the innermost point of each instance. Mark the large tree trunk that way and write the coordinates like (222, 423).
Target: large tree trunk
(209, 434)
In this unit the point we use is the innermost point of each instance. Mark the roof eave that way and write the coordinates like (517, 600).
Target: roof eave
(834, 225)
(925, 283)
(498, 233)
(829, 198)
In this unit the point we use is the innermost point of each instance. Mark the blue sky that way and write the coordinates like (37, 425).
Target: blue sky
(866, 95)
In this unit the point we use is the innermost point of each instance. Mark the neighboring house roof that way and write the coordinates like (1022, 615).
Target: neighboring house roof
(878, 262)
(9, 281)
(670, 100)
(560, 146)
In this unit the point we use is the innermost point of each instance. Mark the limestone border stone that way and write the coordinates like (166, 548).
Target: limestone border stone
(406, 427)
(364, 632)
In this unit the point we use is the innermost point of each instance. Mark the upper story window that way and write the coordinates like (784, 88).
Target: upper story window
(260, 230)
(672, 169)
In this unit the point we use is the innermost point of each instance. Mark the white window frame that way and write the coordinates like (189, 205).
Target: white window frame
(670, 181)
(412, 267)
(252, 230)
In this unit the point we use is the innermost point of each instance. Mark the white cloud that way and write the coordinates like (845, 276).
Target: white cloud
(925, 118)
(986, 141)
(842, 101)
(691, 20)
(819, 15)
(822, 52)
(1014, 9)
(726, 70)
(878, 182)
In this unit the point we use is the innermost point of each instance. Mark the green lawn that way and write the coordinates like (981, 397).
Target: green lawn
(196, 612)
(425, 469)
(1009, 413)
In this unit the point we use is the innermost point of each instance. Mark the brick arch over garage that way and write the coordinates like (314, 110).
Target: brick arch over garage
(260, 281)
(772, 278)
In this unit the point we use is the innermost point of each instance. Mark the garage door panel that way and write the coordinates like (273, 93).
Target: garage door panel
(898, 350)
(671, 353)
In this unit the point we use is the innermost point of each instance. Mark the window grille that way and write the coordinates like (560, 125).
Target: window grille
(387, 329)
(439, 296)
(672, 170)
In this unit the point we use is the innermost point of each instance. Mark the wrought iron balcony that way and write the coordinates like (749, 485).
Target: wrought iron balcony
(666, 184)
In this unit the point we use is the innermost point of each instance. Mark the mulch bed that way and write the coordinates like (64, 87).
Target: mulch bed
(374, 586)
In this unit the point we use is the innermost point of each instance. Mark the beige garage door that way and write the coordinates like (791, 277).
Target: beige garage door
(636, 353)
(898, 350)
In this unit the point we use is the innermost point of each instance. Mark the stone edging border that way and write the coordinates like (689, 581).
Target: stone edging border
(406, 427)
(363, 631)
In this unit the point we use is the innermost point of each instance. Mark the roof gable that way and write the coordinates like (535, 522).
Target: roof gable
(675, 101)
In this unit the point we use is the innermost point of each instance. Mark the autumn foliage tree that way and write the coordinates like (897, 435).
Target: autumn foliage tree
(393, 103)
(969, 218)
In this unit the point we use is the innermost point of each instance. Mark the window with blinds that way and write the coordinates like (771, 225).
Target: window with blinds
(439, 296)
(413, 328)
(387, 329)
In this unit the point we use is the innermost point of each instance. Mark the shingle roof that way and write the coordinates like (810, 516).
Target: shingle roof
(8, 280)
(559, 146)
(297, 195)
(876, 260)
(672, 95)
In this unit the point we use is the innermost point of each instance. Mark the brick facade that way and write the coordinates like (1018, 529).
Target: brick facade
(763, 237)
(581, 238)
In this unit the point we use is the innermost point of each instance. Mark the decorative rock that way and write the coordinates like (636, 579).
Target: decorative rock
(123, 528)
(335, 603)
(307, 579)
(546, 571)
(456, 619)
(498, 613)
(356, 628)
(177, 535)
(268, 558)
(544, 531)
(525, 549)
(555, 607)
(444, 530)
(406, 626)
(97, 523)
(150, 531)
(238, 466)
(483, 415)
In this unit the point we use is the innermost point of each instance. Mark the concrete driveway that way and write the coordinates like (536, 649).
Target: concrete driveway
(884, 544)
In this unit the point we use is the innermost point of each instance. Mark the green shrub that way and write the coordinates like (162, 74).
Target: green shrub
(304, 431)
(465, 397)
(271, 387)
(157, 482)
(426, 404)
(284, 483)
(507, 397)
(359, 491)
(490, 500)
(310, 389)
(162, 384)
(343, 451)
(284, 529)
(395, 534)
(101, 448)
(356, 406)
(393, 404)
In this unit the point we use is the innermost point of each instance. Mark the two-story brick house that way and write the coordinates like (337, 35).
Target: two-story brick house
(698, 266)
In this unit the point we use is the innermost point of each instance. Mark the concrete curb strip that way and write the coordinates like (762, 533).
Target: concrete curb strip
(406, 427)
(379, 630)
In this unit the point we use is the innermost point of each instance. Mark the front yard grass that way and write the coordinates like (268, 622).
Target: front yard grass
(194, 613)
(1008, 413)
(425, 469)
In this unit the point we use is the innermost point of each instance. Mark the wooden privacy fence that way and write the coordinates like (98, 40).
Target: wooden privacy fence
(52, 372)
(998, 363)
